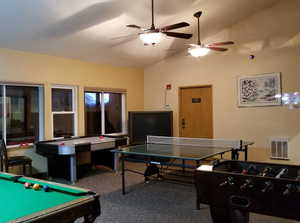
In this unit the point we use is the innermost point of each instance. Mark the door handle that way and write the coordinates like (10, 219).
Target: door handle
(183, 123)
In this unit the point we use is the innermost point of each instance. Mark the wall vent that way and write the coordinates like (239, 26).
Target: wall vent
(279, 148)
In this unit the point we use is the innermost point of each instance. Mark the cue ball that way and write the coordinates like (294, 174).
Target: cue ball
(36, 187)
(27, 185)
(46, 188)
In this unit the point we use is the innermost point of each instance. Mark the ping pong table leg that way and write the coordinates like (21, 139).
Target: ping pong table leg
(197, 203)
(123, 173)
(246, 152)
(233, 154)
(197, 197)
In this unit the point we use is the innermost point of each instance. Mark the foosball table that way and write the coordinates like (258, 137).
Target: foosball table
(235, 188)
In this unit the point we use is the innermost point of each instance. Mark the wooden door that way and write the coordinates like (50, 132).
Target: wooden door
(195, 112)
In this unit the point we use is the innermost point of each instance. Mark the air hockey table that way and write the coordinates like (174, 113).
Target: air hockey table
(65, 151)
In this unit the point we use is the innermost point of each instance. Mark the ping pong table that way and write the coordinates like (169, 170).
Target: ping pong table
(160, 150)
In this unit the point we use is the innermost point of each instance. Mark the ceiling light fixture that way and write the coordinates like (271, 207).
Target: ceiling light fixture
(198, 51)
(151, 38)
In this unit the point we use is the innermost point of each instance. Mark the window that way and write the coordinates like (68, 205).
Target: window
(113, 112)
(64, 111)
(21, 112)
(92, 113)
(104, 113)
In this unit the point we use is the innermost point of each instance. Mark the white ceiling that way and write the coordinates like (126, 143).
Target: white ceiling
(95, 30)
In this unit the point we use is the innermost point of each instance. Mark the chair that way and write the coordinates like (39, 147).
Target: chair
(7, 162)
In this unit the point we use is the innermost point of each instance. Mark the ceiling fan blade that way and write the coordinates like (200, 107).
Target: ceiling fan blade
(179, 35)
(221, 43)
(216, 48)
(123, 37)
(174, 26)
(134, 26)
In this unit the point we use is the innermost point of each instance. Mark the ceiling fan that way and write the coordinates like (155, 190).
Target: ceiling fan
(153, 35)
(200, 49)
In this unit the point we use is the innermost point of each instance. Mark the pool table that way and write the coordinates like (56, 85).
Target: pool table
(61, 204)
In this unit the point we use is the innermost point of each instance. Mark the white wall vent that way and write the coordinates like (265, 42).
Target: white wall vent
(279, 148)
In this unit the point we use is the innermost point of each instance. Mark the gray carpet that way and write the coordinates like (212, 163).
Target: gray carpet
(158, 201)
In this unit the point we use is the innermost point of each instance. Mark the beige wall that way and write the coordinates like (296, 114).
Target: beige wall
(222, 69)
(47, 70)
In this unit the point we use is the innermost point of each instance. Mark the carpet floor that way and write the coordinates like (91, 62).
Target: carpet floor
(157, 201)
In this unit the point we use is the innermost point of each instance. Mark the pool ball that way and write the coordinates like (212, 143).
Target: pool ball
(244, 171)
(27, 185)
(36, 186)
(46, 188)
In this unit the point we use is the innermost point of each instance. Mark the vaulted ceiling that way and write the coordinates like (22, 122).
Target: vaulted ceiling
(95, 30)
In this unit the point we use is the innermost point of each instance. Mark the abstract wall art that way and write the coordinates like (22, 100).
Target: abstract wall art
(259, 90)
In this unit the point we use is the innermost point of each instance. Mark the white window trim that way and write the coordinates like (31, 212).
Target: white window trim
(41, 114)
(4, 112)
(102, 113)
(41, 109)
(74, 108)
(124, 109)
(123, 113)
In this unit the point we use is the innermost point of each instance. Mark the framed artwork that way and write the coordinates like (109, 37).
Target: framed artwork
(259, 90)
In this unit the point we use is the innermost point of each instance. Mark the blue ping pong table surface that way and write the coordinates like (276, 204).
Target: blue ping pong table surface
(174, 151)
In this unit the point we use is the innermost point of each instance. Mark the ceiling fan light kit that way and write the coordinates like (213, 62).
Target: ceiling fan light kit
(151, 38)
(198, 50)
(154, 35)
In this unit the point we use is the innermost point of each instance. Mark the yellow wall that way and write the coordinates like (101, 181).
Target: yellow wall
(222, 69)
(47, 70)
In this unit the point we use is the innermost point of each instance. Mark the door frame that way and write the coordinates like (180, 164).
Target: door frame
(179, 104)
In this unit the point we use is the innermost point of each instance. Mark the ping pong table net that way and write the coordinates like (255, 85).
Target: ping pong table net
(199, 142)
